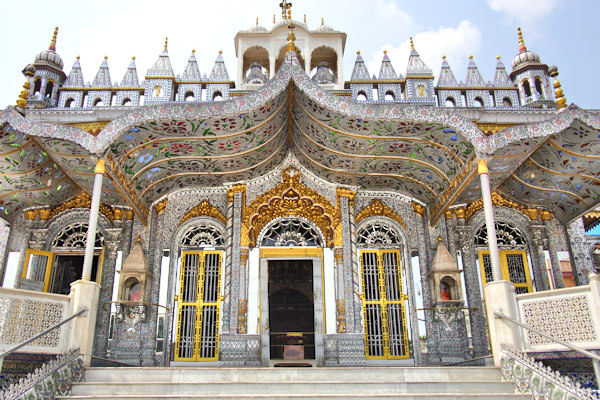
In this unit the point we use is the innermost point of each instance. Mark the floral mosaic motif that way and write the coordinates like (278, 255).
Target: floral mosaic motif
(54, 378)
(532, 377)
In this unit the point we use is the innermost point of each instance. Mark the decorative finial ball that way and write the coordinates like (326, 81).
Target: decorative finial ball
(220, 51)
(77, 57)
(444, 57)
(133, 58)
(193, 50)
(358, 52)
(498, 58)
(106, 57)
(471, 57)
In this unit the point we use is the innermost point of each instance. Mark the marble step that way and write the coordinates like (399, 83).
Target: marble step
(337, 396)
(200, 375)
(281, 388)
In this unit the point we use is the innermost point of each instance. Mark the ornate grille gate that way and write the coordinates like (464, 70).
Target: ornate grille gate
(383, 305)
(199, 306)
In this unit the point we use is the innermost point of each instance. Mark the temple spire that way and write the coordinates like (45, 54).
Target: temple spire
(360, 72)
(446, 77)
(522, 47)
(53, 41)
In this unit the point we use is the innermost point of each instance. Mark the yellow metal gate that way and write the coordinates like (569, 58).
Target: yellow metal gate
(513, 265)
(383, 305)
(199, 306)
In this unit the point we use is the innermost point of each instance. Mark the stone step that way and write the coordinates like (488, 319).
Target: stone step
(337, 396)
(280, 388)
(213, 375)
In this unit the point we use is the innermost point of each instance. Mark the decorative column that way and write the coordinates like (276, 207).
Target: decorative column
(346, 274)
(581, 259)
(472, 277)
(486, 196)
(93, 222)
(271, 67)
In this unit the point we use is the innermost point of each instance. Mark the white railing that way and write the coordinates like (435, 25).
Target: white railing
(566, 314)
(24, 314)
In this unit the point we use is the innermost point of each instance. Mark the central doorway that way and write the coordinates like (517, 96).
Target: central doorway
(291, 310)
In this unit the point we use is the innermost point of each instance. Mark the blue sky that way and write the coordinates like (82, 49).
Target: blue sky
(562, 32)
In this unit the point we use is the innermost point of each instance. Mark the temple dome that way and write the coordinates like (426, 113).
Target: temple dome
(525, 57)
(49, 57)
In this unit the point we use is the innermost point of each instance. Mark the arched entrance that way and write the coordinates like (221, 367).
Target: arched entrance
(201, 243)
(512, 249)
(291, 292)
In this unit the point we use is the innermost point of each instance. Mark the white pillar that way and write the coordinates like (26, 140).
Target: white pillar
(93, 222)
(486, 196)
(271, 67)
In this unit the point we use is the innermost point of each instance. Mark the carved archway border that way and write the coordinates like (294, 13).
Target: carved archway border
(290, 198)
(204, 209)
(378, 208)
(82, 200)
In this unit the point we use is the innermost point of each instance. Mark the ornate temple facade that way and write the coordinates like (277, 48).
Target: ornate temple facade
(289, 214)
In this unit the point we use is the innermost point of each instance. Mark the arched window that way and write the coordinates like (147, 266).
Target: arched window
(74, 237)
(450, 102)
(202, 235)
(526, 87)
(37, 85)
(49, 88)
(217, 96)
(70, 103)
(512, 246)
(377, 233)
(478, 102)
(289, 232)
(127, 102)
(538, 84)
(98, 103)
(382, 291)
(389, 96)
(506, 102)
(189, 96)
(361, 96)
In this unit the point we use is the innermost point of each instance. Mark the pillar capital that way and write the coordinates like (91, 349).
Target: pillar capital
(100, 166)
(482, 166)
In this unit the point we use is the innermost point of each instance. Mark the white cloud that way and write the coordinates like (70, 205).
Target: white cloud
(456, 43)
(523, 10)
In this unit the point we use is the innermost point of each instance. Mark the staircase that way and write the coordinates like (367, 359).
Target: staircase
(373, 383)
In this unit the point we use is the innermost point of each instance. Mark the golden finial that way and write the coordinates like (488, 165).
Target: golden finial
(257, 21)
(561, 101)
(273, 19)
(412, 45)
(133, 58)
(23, 96)
(471, 57)
(522, 47)
(304, 19)
(498, 58)
(166, 42)
(439, 239)
(322, 21)
(291, 38)
(193, 50)
(385, 52)
(357, 52)
(53, 41)
(106, 57)
(220, 51)
(77, 57)
(290, 11)
(444, 57)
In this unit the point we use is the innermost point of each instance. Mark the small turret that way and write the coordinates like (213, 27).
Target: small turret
(48, 77)
(100, 91)
(419, 79)
(448, 89)
(129, 91)
(389, 88)
(361, 85)
(218, 88)
(190, 86)
(503, 96)
(476, 93)
(160, 79)
(531, 76)
(73, 97)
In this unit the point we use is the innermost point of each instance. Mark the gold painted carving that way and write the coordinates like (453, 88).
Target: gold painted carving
(204, 209)
(448, 214)
(290, 198)
(242, 316)
(378, 208)
(93, 128)
(244, 254)
(461, 180)
(239, 188)
(490, 129)
(82, 200)
(418, 208)
(341, 315)
(123, 185)
(498, 200)
(161, 206)
(338, 255)
(344, 192)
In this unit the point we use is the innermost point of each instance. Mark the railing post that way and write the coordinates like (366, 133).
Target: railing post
(84, 294)
(500, 296)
